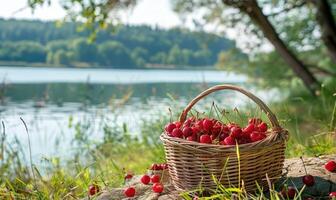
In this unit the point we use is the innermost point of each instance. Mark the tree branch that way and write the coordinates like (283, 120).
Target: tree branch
(297, 5)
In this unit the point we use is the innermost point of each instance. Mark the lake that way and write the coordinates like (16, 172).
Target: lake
(48, 99)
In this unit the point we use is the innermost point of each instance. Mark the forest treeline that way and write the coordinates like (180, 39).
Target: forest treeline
(126, 47)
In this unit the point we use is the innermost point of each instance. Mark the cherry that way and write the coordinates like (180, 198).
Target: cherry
(330, 166)
(216, 129)
(262, 127)
(178, 124)
(222, 136)
(164, 166)
(170, 127)
(157, 188)
(249, 128)
(128, 176)
(129, 192)
(290, 192)
(308, 180)
(229, 141)
(192, 138)
(155, 178)
(225, 129)
(195, 129)
(177, 133)
(256, 136)
(255, 121)
(187, 131)
(93, 189)
(231, 125)
(206, 139)
(145, 179)
(207, 124)
(235, 132)
(187, 122)
(213, 137)
(199, 124)
(154, 167)
(332, 195)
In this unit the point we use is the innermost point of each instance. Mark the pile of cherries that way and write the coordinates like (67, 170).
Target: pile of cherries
(157, 187)
(212, 131)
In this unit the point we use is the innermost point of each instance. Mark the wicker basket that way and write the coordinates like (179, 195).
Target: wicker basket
(192, 164)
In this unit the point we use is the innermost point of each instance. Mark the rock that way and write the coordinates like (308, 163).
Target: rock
(292, 175)
(325, 181)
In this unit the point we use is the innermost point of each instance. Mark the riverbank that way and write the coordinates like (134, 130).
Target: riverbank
(292, 174)
(93, 66)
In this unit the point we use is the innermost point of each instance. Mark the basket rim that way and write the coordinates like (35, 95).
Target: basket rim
(271, 139)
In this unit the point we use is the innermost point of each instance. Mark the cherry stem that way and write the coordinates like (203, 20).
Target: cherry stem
(212, 106)
(171, 115)
(304, 166)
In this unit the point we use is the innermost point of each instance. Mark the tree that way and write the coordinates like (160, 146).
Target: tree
(326, 20)
(84, 51)
(252, 11)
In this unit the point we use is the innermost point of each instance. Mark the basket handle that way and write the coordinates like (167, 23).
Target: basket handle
(259, 102)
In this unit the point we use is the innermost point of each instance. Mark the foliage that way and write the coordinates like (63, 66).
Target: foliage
(128, 47)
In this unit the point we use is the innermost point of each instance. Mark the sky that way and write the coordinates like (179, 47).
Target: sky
(150, 12)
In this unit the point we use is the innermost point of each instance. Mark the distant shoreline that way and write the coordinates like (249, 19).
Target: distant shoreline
(88, 66)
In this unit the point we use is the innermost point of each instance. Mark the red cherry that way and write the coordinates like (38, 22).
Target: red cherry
(145, 179)
(225, 129)
(222, 136)
(216, 129)
(308, 180)
(332, 195)
(231, 125)
(154, 167)
(178, 124)
(93, 189)
(207, 124)
(128, 176)
(213, 137)
(157, 188)
(187, 131)
(249, 128)
(155, 178)
(187, 122)
(229, 141)
(199, 124)
(170, 127)
(236, 132)
(206, 139)
(129, 192)
(256, 136)
(164, 166)
(195, 129)
(177, 133)
(255, 121)
(330, 166)
(262, 127)
(192, 138)
(291, 192)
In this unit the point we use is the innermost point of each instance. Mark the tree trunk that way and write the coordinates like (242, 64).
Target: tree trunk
(252, 9)
(325, 19)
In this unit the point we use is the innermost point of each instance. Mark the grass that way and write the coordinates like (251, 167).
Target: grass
(311, 123)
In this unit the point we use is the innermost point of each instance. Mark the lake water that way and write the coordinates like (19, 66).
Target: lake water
(46, 98)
